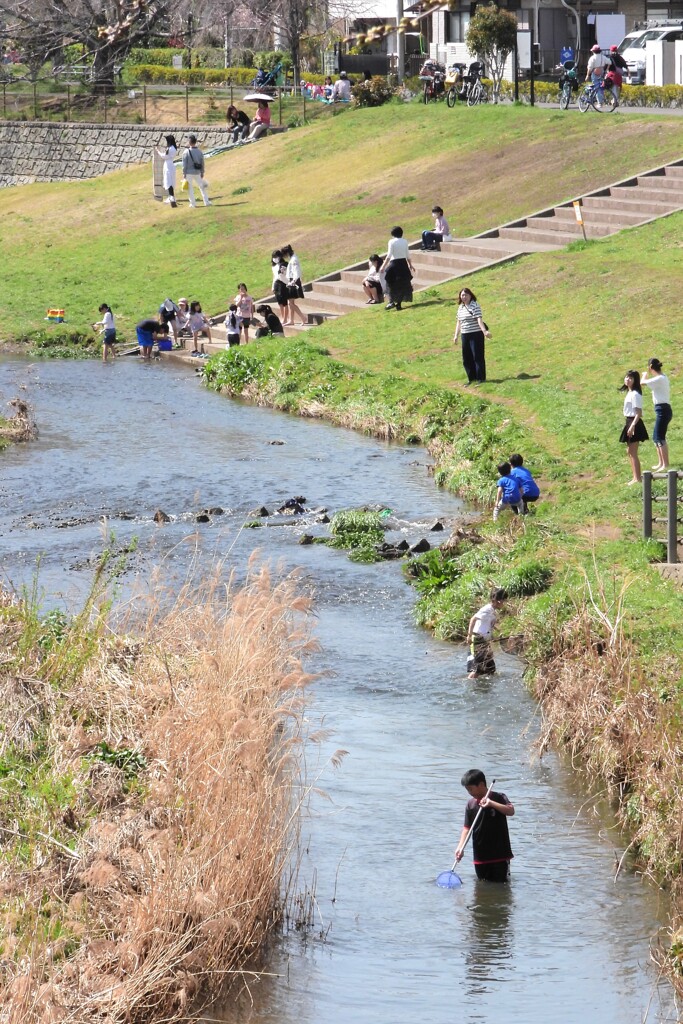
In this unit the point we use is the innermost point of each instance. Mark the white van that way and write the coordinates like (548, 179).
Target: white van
(632, 47)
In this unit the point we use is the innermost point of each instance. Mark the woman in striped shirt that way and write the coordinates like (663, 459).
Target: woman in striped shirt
(471, 328)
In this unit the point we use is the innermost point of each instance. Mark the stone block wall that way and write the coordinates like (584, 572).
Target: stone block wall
(50, 151)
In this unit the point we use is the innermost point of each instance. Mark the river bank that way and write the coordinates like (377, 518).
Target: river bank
(149, 806)
(588, 643)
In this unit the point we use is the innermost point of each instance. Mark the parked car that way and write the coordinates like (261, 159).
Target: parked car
(632, 47)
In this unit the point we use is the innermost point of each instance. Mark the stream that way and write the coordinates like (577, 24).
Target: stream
(564, 941)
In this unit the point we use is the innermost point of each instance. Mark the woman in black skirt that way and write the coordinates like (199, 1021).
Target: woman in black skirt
(398, 270)
(634, 429)
(280, 286)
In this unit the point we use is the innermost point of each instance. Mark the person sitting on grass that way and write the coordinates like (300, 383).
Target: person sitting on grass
(527, 484)
(479, 632)
(199, 325)
(373, 284)
(271, 324)
(508, 494)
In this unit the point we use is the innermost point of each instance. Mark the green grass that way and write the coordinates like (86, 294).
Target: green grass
(333, 189)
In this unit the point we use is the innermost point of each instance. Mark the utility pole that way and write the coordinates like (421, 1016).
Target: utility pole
(400, 44)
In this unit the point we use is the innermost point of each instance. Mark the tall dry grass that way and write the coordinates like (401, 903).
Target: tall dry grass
(171, 886)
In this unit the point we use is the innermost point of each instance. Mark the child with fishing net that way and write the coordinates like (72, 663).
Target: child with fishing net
(486, 815)
(479, 633)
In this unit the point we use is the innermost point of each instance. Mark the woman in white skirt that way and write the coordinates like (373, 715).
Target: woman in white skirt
(169, 155)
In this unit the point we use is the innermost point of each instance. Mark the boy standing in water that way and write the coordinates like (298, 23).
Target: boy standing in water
(490, 840)
(479, 632)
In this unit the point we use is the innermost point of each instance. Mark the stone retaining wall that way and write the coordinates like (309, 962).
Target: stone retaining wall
(48, 151)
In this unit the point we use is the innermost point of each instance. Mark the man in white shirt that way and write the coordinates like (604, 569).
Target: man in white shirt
(595, 71)
(341, 93)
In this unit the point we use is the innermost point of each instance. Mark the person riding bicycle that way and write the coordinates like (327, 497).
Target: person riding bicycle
(614, 76)
(595, 71)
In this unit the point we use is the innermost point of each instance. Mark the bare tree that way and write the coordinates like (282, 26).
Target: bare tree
(105, 28)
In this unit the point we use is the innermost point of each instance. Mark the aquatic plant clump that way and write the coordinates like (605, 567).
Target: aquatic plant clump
(359, 531)
(151, 778)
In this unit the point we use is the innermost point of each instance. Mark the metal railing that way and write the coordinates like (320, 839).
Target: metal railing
(672, 518)
(141, 104)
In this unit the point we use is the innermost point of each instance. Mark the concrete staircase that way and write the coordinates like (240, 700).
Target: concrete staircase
(625, 204)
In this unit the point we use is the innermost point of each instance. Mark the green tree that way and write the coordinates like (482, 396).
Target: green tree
(492, 36)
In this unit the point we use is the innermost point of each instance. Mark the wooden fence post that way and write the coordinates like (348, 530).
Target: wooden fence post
(144, 104)
(187, 103)
(647, 505)
(68, 101)
(35, 101)
(672, 516)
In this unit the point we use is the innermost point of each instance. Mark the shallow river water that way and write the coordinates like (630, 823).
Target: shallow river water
(563, 942)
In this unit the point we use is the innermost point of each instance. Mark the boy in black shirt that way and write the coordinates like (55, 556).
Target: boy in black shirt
(490, 839)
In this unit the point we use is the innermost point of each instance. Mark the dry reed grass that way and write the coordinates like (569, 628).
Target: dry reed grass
(21, 426)
(600, 703)
(171, 886)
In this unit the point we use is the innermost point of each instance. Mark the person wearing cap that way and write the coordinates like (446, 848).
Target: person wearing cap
(168, 312)
(595, 70)
(193, 171)
(342, 89)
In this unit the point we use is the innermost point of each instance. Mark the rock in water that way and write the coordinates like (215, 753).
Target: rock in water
(161, 517)
(420, 546)
(203, 517)
(262, 511)
(438, 525)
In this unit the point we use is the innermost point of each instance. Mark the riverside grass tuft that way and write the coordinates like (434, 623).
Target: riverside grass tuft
(151, 778)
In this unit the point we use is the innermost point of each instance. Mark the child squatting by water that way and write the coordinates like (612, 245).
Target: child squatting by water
(491, 851)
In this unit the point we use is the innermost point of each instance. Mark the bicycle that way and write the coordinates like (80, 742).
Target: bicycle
(477, 93)
(568, 82)
(589, 98)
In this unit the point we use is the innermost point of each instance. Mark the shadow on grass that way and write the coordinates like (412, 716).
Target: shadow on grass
(520, 376)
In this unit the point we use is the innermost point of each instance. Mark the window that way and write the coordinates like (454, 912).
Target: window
(523, 20)
(456, 27)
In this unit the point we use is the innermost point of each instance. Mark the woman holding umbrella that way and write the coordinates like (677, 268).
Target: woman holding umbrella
(261, 122)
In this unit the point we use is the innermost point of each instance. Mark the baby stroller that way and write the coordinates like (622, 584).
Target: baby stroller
(267, 79)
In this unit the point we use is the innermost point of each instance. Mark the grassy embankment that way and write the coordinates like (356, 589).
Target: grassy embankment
(150, 776)
(332, 189)
(605, 637)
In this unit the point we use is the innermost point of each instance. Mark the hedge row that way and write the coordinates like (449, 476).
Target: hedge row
(161, 75)
(670, 96)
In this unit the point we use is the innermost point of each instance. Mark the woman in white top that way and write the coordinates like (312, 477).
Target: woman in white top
(169, 154)
(658, 384)
(108, 330)
(398, 270)
(634, 429)
(472, 329)
(295, 289)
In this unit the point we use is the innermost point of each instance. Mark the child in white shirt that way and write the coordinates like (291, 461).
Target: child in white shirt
(479, 632)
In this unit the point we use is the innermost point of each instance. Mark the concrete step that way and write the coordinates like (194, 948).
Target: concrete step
(488, 249)
(555, 239)
(602, 214)
(672, 198)
(674, 171)
(324, 304)
(642, 207)
(663, 181)
(343, 289)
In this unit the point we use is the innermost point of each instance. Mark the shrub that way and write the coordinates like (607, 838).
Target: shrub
(374, 93)
(155, 74)
(162, 55)
(268, 59)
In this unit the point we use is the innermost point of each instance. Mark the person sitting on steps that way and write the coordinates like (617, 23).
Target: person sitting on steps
(431, 240)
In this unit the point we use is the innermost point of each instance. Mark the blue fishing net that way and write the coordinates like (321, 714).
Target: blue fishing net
(448, 880)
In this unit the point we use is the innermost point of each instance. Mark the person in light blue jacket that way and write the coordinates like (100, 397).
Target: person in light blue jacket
(193, 171)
